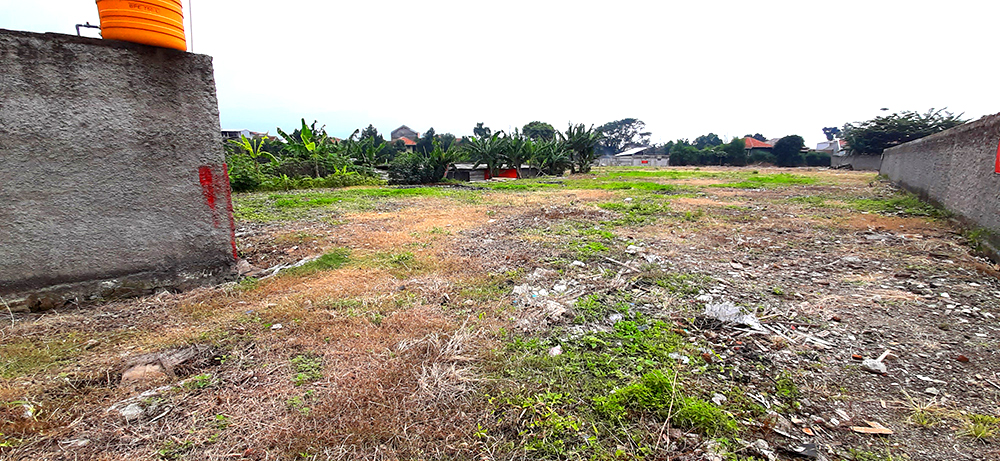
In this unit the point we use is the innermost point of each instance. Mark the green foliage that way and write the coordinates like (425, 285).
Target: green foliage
(814, 158)
(308, 368)
(788, 151)
(201, 381)
(873, 136)
(170, 449)
(424, 167)
(582, 143)
(329, 261)
(736, 154)
(539, 131)
(623, 134)
(707, 140)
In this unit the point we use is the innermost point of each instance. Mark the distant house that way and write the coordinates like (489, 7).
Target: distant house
(235, 134)
(407, 136)
(835, 147)
(639, 156)
(404, 132)
(753, 145)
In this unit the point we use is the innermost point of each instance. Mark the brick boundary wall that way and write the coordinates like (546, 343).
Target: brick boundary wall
(958, 169)
(112, 174)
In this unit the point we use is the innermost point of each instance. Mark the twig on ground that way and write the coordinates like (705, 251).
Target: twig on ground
(8, 310)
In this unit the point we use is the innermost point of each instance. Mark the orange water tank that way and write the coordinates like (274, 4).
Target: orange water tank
(150, 22)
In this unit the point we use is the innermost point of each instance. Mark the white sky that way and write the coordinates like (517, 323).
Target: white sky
(686, 68)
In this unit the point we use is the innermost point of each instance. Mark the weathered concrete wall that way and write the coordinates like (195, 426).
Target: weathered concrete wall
(857, 162)
(957, 169)
(112, 181)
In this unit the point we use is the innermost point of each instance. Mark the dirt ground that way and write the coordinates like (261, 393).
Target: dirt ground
(413, 346)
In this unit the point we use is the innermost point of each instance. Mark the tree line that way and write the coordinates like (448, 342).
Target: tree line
(308, 157)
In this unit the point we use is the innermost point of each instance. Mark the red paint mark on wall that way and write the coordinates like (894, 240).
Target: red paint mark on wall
(215, 187)
(998, 159)
(205, 177)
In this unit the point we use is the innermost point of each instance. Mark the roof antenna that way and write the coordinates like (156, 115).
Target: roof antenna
(88, 25)
(191, 23)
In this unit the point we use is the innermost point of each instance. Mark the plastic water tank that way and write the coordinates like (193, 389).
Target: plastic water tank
(150, 22)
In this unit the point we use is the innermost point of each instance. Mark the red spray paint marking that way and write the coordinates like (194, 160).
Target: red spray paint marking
(998, 159)
(229, 207)
(208, 190)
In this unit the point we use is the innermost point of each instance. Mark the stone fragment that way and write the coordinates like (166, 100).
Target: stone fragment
(146, 372)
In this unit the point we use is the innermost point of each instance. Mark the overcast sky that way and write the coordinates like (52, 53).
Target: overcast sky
(686, 68)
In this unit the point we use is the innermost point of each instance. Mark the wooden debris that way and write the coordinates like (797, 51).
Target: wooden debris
(874, 428)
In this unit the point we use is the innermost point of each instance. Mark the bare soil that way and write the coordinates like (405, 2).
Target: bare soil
(404, 335)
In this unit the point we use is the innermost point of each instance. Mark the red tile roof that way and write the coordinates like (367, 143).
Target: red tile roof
(752, 143)
(408, 141)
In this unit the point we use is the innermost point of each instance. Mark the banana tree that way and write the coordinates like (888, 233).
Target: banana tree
(582, 144)
(254, 148)
(487, 150)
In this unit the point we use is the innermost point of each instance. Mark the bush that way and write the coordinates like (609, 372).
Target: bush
(414, 168)
(814, 158)
(762, 156)
(788, 151)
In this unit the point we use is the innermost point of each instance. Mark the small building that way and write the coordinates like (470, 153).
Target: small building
(404, 132)
(235, 134)
(753, 145)
(471, 172)
(640, 156)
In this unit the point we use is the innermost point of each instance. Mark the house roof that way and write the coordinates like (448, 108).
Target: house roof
(752, 143)
(407, 141)
(632, 151)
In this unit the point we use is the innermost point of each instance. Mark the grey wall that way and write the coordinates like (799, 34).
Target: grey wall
(112, 181)
(955, 168)
(857, 162)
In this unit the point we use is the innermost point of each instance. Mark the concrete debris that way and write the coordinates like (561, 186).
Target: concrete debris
(132, 412)
(146, 372)
(578, 264)
(633, 249)
(276, 326)
(932, 391)
(727, 312)
(679, 357)
(876, 366)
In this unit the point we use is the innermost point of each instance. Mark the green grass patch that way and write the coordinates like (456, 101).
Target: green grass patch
(23, 357)
(761, 181)
(604, 387)
(307, 368)
(668, 174)
(285, 206)
(329, 261)
(903, 203)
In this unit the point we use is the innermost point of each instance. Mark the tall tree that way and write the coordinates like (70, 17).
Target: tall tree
(831, 132)
(539, 131)
(873, 136)
(623, 134)
(788, 151)
(708, 140)
(426, 142)
(481, 131)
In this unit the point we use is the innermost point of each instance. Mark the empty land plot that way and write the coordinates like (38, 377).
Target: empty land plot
(553, 318)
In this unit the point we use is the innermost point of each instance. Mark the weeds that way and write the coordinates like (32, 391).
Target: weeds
(329, 261)
(308, 368)
(980, 427)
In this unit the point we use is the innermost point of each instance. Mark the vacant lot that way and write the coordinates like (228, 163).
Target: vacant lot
(540, 319)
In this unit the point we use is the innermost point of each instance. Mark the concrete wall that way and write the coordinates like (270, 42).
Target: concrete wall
(112, 181)
(857, 162)
(957, 169)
